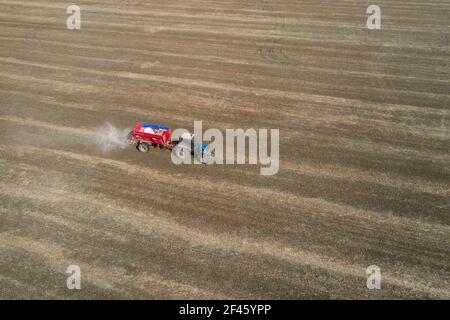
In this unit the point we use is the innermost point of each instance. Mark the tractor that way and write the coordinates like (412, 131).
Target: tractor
(146, 135)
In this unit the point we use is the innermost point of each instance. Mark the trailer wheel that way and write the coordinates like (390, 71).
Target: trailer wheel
(143, 147)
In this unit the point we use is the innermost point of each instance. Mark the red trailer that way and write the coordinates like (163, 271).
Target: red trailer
(146, 135)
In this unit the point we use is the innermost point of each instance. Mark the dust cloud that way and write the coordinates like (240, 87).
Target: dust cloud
(110, 138)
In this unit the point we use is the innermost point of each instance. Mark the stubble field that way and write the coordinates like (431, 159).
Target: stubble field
(364, 149)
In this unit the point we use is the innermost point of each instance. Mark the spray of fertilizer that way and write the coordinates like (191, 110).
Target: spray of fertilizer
(110, 138)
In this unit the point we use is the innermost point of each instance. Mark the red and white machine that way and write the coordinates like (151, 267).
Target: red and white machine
(145, 135)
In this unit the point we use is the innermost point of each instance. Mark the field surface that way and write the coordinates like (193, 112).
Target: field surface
(364, 175)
